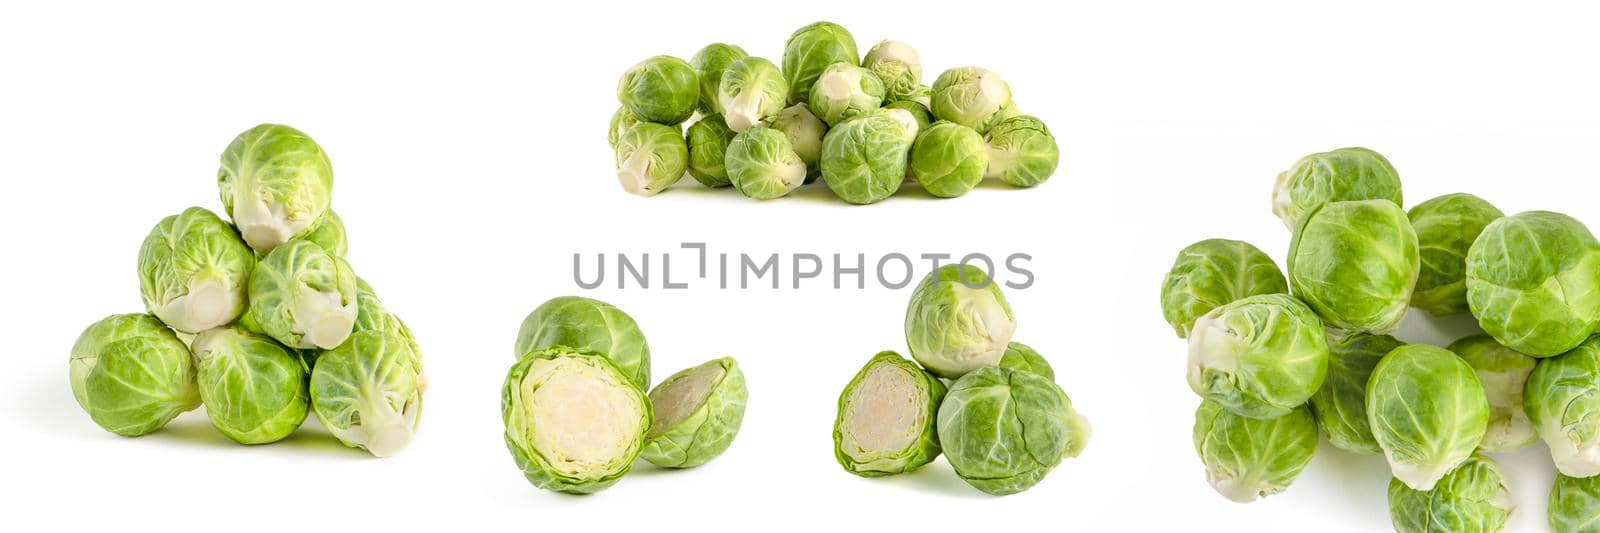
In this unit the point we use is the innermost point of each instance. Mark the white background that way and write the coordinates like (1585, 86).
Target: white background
(468, 143)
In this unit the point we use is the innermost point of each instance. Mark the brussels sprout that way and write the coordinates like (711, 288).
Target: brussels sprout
(1473, 498)
(762, 164)
(253, 388)
(1356, 264)
(1561, 399)
(1022, 358)
(1533, 281)
(1212, 273)
(709, 63)
(811, 50)
(275, 183)
(1003, 430)
(550, 405)
(805, 133)
(1260, 356)
(1575, 505)
(919, 112)
(661, 89)
(697, 413)
(1340, 175)
(303, 296)
(1248, 458)
(588, 325)
(1022, 152)
(193, 270)
(752, 92)
(367, 392)
(886, 418)
(328, 233)
(1446, 227)
(132, 374)
(1503, 372)
(708, 148)
(845, 91)
(1341, 403)
(972, 97)
(898, 65)
(864, 159)
(651, 157)
(949, 159)
(1427, 411)
(621, 121)
(372, 315)
(958, 321)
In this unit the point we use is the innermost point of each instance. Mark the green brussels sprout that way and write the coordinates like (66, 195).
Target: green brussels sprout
(898, 65)
(1561, 399)
(193, 270)
(621, 121)
(864, 159)
(1023, 358)
(368, 392)
(811, 50)
(254, 389)
(1248, 458)
(1003, 430)
(662, 89)
(845, 91)
(709, 63)
(275, 183)
(697, 414)
(1212, 273)
(1427, 411)
(972, 97)
(1575, 504)
(805, 132)
(886, 418)
(303, 296)
(1446, 228)
(918, 111)
(132, 374)
(372, 315)
(1260, 356)
(708, 147)
(1340, 175)
(958, 321)
(752, 92)
(651, 157)
(1356, 264)
(1473, 498)
(1022, 152)
(588, 325)
(574, 422)
(949, 159)
(328, 233)
(1503, 372)
(1341, 403)
(1533, 281)
(762, 164)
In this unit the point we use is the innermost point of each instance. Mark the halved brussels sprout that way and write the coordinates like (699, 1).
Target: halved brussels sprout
(752, 92)
(805, 132)
(697, 414)
(1212, 273)
(1472, 498)
(1341, 403)
(886, 418)
(1023, 358)
(864, 159)
(898, 65)
(1248, 458)
(845, 91)
(574, 422)
(708, 65)
(621, 121)
(275, 183)
(949, 159)
(1503, 372)
(1356, 264)
(810, 50)
(958, 321)
(254, 389)
(708, 148)
(132, 374)
(919, 112)
(328, 233)
(1003, 430)
(662, 89)
(1561, 399)
(588, 325)
(303, 296)
(1533, 281)
(1022, 152)
(1446, 228)
(972, 97)
(651, 157)
(368, 392)
(763, 165)
(193, 270)
(1260, 357)
(1427, 411)
(1336, 176)
(1575, 504)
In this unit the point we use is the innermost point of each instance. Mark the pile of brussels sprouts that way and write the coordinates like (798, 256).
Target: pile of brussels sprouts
(1276, 358)
(990, 405)
(260, 320)
(864, 124)
(576, 411)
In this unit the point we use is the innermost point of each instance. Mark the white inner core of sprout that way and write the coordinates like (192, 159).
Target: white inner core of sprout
(263, 226)
(323, 319)
(905, 118)
(992, 92)
(209, 303)
(839, 85)
(884, 414)
(1575, 459)
(675, 400)
(744, 109)
(582, 419)
(634, 172)
(1211, 346)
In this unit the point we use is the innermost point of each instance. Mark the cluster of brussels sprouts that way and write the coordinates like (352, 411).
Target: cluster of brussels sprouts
(864, 124)
(990, 405)
(576, 411)
(1276, 358)
(262, 321)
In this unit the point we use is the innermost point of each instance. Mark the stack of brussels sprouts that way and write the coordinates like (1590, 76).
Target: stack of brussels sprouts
(576, 412)
(261, 320)
(1003, 423)
(863, 124)
(1276, 358)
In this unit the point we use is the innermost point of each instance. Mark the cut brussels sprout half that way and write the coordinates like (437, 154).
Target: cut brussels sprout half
(1340, 175)
(303, 296)
(1561, 399)
(588, 325)
(697, 414)
(810, 50)
(1446, 228)
(1503, 372)
(255, 390)
(368, 393)
(1356, 264)
(708, 140)
(132, 374)
(886, 418)
(650, 158)
(1022, 358)
(752, 91)
(1212, 273)
(574, 422)
(1472, 498)
(958, 321)
(329, 233)
(899, 66)
(1259, 357)
(1022, 152)
(1428, 412)
(805, 132)
(1341, 403)
(845, 91)
(763, 165)
(972, 97)
(661, 89)
(1575, 505)
(193, 271)
(1003, 430)
(709, 63)
(1533, 281)
(949, 159)
(864, 158)
(1248, 458)
(275, 183)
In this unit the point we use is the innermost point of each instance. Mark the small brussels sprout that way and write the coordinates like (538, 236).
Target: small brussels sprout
(132, 374)
(1533, 281)
(697, 414)
(661, 89)
(811, 50)
(805, 132)
(651, 157)
(1341, 403)
(708, 65)
(958, 321)
(1575, 504)
(1561, 399)
(1022, 152)
(972, 97)
(550, 404)
(1248, 458)
(1427, 411)
(328, 233)
(1003, 430)
(752, 92)
(588, 325)
(919, 112)
(845, 91)
(193, 270)
(275, 183)
(708, 147)
(886, 418)
(1446, 228)
(898, 65)
(1023, 358)
(303, 296)
(254, 389)
(864, 160)
(1212, 273)
(949, 159)
(1472, 498)
(372, 315)
(368, 393)
(1337, 176)
(1356, 264)
(762, 164)
(1503, 372)
(1260, 356)
(621, 121)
